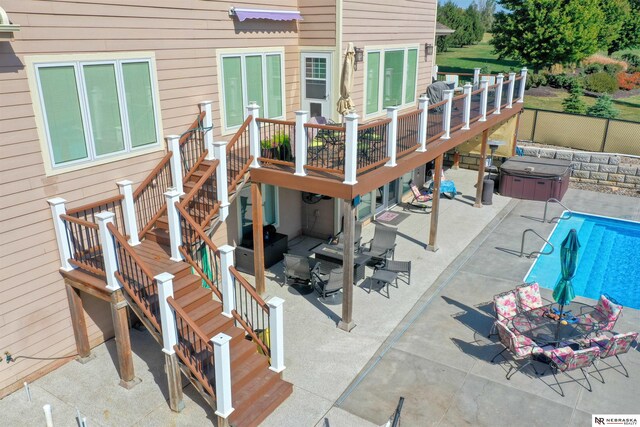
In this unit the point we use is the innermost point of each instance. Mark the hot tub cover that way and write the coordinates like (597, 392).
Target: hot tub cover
(535, 167)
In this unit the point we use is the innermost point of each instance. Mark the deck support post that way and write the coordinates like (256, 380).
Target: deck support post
(484, 97)
(222, 358)
(423, 104)
(512, 85)
(351, 149)
(435, 205)
(129, 211)
(392, 136)
(108, 249)
(220, 153)
(173, 217)
(446, 117)
(173, 142)
(301, 143)
(276, 333)
(349, 213)
(466, 114)
(498, 100)
(79, 323)
(253, 110)
(62, 237)
(227, 287)
(523, 84)
(120, 317)
(481, 166)
(258, 236)
(169, 340)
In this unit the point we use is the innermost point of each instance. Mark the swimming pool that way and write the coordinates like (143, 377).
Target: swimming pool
(608, 258)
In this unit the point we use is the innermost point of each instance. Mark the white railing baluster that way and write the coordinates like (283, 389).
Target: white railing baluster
(222, 360)
(523, 83)
(254, 133)
(446, 117)
(512, 85)
(392, 136)
(108, 249)
(173, 142)
(173, 217)
(276, 333)
(466, 117)
(423, 104)
(129, 211)
(226, 280)
(62, 237)
(301, 142)
(484, 97)
(498, 100)
(220, 153)
(351, 149)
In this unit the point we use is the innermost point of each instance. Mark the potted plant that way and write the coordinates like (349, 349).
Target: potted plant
(277, 147)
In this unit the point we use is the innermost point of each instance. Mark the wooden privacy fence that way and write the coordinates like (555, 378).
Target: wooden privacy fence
(580, 132)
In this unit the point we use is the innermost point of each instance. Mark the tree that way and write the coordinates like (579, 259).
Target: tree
(466, 23)
(547, 32)
(603, 108)
(616, 13)
(475, 28)
(629, 35)
(574, 103)
(486, 8)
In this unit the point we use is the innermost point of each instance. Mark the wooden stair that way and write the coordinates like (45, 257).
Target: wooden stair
(257, 390)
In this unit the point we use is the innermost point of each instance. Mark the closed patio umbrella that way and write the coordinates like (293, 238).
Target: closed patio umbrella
(345, 104)
(563, 292)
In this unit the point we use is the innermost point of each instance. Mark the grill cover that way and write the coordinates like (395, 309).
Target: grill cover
(536, 167)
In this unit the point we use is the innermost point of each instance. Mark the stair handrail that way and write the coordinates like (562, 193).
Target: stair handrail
(232, 163)
(188, 254)
(192, 146)
(83, 241)
(252, 326)
(88, 211)
(195, 350)
(554, 200)
(148, 211)
(142, 286)
(524, 233)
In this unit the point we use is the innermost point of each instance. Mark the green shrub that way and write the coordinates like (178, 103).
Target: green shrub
(535, 80)
(593, 68)
(633, 59)
(560, 81)
(603, 108)
(574, 103)
(601, 83)
(613, 68)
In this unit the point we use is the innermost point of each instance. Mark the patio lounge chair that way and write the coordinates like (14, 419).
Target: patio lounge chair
(519, 346)
(297, 268)
(565, 359)
(420, 198)
(505, 308)
(529, 296)
(383, 244)
(606, 312)
(612, 347)
(330, 285)
(357, 237)
(398, 267)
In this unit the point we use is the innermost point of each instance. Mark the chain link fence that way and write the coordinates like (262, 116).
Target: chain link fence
(580, 132)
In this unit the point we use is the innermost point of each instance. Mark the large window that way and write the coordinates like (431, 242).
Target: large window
(252, 77)
(390, 78)
(92, 110)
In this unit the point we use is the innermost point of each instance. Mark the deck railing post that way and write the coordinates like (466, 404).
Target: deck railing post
(446, 117)
(220, 153)
(498, 100)
(226, 279)
(222, 360)
(301, 143)
(512, 86)
(392, 136)
(173, 142)
(466, 117)
(423, 104)
(207, 122)
(351, 149)
(108, 249)
(129, 211)
(276, 333)
(173, 217)
(253, 110)
(476, 77)
(523, 83)
(62, 236)
(484, 97)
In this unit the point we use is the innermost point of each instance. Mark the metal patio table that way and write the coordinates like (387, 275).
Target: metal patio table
(333, 255)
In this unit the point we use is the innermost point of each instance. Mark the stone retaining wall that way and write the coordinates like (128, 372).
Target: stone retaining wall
(594, 168)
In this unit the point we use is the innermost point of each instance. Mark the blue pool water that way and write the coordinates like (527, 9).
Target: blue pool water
(608, 259)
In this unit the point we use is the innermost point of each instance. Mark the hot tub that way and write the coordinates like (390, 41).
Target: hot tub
(532, 178)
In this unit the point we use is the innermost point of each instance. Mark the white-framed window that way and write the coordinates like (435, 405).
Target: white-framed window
(93, 110)
(270, 209)
(248, 77)
(391, 77)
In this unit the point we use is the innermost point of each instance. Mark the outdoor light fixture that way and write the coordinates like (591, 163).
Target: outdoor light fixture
(359, 57)
(428, 50)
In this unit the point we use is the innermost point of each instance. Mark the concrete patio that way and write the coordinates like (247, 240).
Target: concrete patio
(426, 341)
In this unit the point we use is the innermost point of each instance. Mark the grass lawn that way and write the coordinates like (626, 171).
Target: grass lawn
(465, 59)
(629, 107)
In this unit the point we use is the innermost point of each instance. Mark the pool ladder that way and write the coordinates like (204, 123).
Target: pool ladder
(524, 233)
(554, 200)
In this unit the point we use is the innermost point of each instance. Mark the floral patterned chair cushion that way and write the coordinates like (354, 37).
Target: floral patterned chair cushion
(567, 360)
(617, 344)
(606, 313)
(518, 344)
(529, 296)
(505, 306)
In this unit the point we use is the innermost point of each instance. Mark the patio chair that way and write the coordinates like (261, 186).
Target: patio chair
(529, 296)
(607, 312)
(519, 346)
(383, 244)
(420, 198)
(565, 359)
(612, 347)
(297, 268)
(330, 285)
(398, 267)
(324, 143)
(505, 308)
(357, 237)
